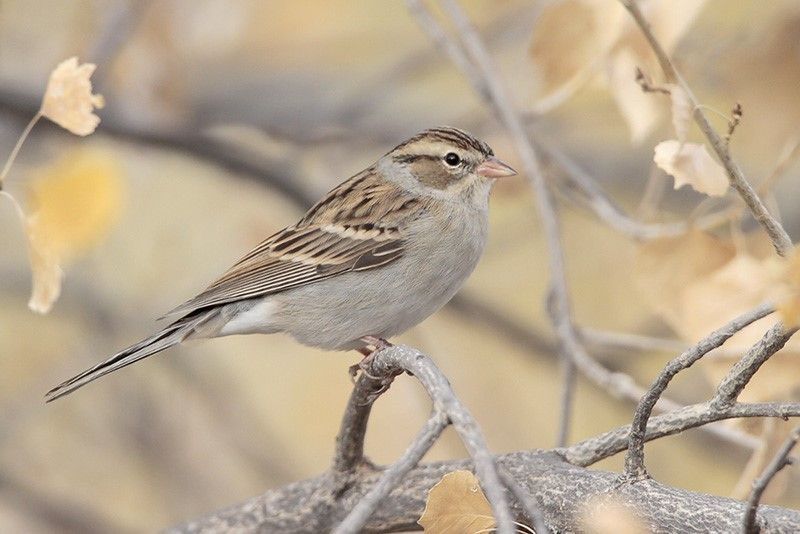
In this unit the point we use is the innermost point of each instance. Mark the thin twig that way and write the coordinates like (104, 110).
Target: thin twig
(579, 181)
(527, 501)
(475, 58)
(781, 460)
(780, 239)
(627, 341)
(608, 444)
(392, 476)
(743, 371)
(634, 460)
(13, 156)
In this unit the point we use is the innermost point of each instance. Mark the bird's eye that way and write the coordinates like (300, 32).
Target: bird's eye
(452, 159)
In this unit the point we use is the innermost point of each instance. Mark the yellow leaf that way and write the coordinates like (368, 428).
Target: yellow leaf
(457, 504)
(68, 100)
(76, 201)
(690, 163)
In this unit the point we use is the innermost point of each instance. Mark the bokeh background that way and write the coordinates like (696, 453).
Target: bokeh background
(224, 119)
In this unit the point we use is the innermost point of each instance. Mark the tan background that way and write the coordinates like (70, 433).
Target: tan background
(319, 89)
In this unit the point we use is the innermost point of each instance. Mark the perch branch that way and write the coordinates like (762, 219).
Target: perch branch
(777, 234)
(396, 359)
(561, 489)
(781, 460)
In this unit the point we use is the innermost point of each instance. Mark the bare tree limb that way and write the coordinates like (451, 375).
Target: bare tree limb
(780, 239)
(743, 371)
(396, 359)
(781, 460)
(392, 476)
(561, 489)
(634, 460)
(605, 445)
(471, 56)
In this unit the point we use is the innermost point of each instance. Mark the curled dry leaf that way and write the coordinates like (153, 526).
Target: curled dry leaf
(457, 504)
(68, 100)
(76, 200)
(691, 164)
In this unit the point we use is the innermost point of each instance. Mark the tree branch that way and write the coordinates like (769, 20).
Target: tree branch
(392, 476)
(781, 460)
(634, 460)
(743, 371)
(561, 489)
(777, 234)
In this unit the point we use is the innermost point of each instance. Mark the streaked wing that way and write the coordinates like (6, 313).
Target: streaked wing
(357, 226)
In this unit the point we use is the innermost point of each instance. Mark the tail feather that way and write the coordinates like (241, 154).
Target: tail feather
(169, 336)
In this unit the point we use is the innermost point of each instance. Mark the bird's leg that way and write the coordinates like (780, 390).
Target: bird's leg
(379, 344)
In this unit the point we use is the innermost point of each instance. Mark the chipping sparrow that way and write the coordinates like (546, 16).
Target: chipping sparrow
(376, 256)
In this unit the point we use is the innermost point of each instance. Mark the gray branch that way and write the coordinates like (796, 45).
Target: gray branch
(561, 489)
(634, 460)
(777, 234)
(781, 460)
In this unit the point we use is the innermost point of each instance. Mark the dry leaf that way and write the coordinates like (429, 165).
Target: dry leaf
(663, 268)
(76, 201)
(789, 306)
(68, 100)
(570, 36)
(682, 110)
(670, 19)
(457, 504)
(639, 109)
(45, 269)
(690, 163)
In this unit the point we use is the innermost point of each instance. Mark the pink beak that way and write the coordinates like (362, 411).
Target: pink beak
(494, 168)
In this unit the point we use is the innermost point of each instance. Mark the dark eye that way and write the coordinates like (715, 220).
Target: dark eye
(452, 159)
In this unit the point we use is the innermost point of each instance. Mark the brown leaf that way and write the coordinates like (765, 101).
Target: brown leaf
(68, 100)
(691, 164)
(457, 504)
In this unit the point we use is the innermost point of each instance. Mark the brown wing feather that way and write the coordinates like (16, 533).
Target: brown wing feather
(358, 226)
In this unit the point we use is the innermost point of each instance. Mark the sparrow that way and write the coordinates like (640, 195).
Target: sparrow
(376, 256)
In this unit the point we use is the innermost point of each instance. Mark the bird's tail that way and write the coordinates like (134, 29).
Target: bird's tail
(169, 336)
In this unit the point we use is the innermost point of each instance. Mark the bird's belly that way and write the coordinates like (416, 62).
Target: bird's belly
(335, 313)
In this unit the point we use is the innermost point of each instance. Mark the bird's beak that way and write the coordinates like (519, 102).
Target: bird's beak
(494, 168)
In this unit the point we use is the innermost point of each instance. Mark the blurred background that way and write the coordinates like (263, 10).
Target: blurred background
(225, 119)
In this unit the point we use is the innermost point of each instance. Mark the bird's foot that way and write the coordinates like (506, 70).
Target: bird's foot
(363, 366)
